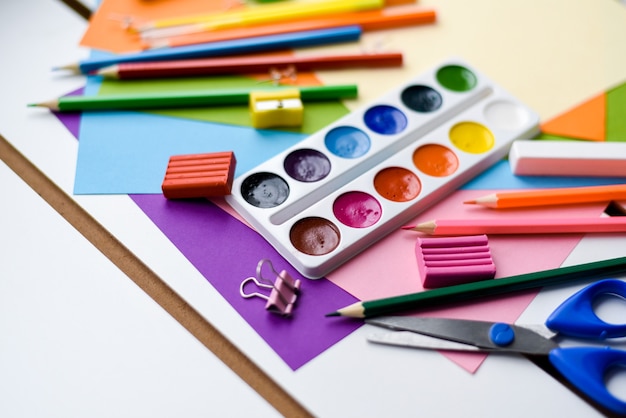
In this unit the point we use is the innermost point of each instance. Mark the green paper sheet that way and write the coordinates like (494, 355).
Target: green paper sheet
(616, 114)
(316, 115)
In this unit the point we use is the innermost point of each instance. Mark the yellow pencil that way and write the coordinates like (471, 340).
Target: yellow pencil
(264, 14)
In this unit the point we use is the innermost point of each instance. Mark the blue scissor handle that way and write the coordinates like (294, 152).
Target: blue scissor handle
(576, 318)
(586, 368)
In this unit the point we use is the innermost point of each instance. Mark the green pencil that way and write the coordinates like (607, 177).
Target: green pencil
(189, 99)
(468, 291)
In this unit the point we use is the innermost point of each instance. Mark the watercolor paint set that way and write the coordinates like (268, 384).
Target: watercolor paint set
(340, 190)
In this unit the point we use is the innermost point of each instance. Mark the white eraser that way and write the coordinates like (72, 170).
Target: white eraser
(568, 158)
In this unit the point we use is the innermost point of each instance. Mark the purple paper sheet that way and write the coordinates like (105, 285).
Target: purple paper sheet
(226, 251)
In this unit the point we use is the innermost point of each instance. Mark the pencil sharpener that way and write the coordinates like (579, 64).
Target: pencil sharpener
(276, 108)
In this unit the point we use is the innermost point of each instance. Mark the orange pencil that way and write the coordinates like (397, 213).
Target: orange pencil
(558, 196)
(367, 20)
(520, 226)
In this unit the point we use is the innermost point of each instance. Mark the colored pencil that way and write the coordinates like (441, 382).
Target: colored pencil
(246, 64)
(520, 226)
(444, 296)
(232, 47)
(367, 21)
(558, 196)
(270, 13)
(188, 98)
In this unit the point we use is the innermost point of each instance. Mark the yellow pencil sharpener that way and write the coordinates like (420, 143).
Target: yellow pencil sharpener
(276, 108)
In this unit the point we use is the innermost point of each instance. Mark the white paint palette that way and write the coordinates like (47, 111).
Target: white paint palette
(337, 192)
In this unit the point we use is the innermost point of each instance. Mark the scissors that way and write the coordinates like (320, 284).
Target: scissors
(584, 367)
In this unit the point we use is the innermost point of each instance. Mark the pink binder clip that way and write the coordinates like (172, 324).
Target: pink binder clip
(284, 290)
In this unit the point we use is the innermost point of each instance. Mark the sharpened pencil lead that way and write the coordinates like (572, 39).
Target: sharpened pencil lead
(427, 227)
(490, 200)
(333, 314)
(75, 68)
(51, 104)
(157, 44)
(107, 72)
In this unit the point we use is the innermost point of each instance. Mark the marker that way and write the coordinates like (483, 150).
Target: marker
(188, 98)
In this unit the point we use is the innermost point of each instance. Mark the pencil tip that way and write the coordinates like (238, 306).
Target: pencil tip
(470, 202)
(158, 44)
(107, 72)
(333, 314)
(52, 105)
(426, 227)
(71, 67)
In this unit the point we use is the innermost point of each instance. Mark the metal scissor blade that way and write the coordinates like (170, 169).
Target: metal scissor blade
(411, 339)
(476, 333)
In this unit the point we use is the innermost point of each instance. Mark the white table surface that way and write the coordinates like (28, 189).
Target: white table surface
(373, 382)
(79, 339)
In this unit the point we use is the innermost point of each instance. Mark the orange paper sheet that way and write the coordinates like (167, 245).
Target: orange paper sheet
(585, 121)
(107, 32)
(106, 29)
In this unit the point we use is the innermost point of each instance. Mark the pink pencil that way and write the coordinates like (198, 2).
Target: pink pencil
(520, 226)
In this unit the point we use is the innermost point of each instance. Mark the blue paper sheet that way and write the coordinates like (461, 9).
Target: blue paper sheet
(127, 152)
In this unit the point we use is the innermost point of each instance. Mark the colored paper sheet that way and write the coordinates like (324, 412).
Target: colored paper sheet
(316, 114)
(228, 255)
(127, 152)
(600, 118)
(364, 277)
(368, 276)
(111, 142)
(616, 109)
(107, 29)
(179, 220)
(585, 121)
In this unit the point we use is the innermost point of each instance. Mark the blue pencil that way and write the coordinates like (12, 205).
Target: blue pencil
(232, 47)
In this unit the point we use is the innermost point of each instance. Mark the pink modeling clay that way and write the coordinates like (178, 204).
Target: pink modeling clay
(453, 260)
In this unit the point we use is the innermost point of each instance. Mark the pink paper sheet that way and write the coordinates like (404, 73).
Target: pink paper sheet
(367, 278)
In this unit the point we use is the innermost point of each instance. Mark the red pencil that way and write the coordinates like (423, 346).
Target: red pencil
(520, 226)
(247, 64)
